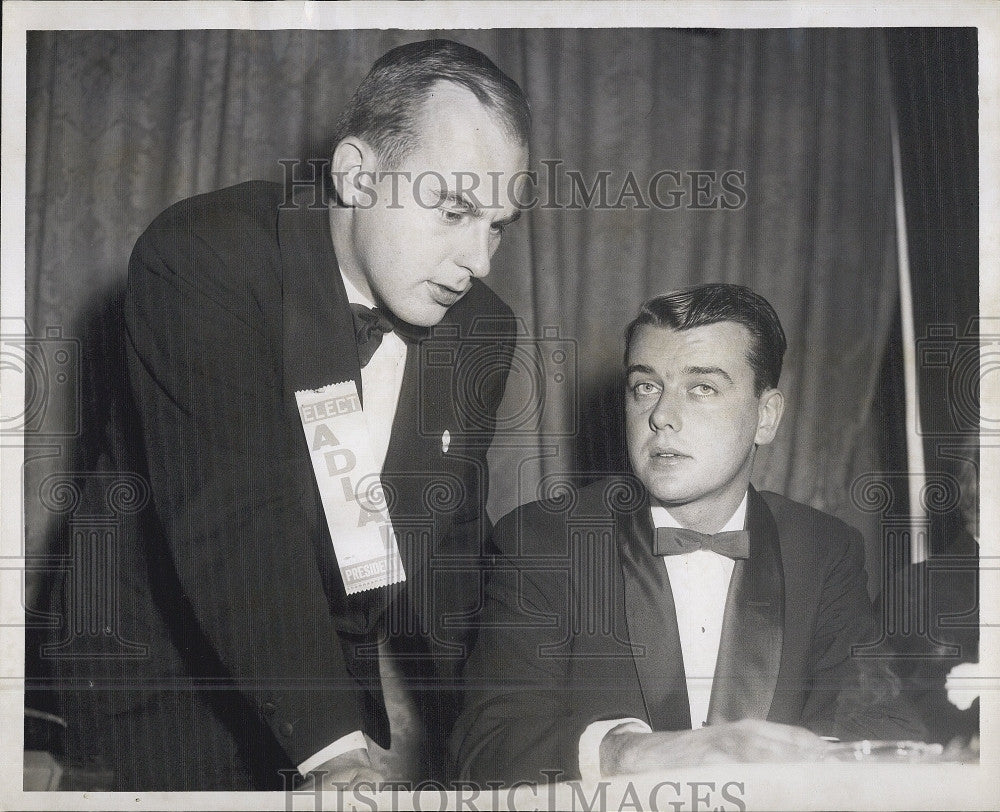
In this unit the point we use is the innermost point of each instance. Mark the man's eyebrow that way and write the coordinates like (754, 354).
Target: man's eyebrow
(708, 371)
(509, 220)
(459, 201)
(640, 369)
(473, 209)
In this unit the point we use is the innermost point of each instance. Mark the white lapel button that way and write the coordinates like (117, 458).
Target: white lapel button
(445, 441)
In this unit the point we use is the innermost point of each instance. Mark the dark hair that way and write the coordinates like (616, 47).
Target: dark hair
(710, 304)
(385, 108)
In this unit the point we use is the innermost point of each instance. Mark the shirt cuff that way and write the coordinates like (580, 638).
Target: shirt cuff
(590, 744)
(352, 741)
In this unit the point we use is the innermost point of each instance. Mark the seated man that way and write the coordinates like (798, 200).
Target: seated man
(678, 616)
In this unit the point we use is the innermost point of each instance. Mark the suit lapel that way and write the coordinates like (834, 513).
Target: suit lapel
(318, 346)
(652, 625)
(746, 672)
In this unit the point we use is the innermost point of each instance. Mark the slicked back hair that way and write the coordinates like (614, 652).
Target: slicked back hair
(718, 302)
(385, 109)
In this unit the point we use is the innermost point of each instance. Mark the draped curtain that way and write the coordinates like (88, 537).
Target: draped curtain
(121, 124)
(939, 140)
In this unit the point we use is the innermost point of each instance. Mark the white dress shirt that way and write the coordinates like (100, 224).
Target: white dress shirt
(381, 383)
(699, 582)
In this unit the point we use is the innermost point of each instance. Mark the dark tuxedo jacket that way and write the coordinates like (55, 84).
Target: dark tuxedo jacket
(579, 626)
(227, 581)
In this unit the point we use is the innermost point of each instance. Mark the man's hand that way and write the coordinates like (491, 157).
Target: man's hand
(350, 769)
(750, 740)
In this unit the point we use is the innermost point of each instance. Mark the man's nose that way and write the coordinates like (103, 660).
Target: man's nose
(478, 250)
(666, 414)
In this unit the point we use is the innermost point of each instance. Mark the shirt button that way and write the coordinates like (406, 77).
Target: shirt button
(287, 729)
(269, 708)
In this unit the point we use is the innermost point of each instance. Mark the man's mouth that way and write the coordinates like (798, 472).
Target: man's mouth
(668, 455)
(444, 295)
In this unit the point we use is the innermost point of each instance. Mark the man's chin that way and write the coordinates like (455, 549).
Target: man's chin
(427, 315)
(667, 500)
(668, 497)
(426, 321)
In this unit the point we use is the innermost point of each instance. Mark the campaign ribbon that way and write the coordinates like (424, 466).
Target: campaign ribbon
(349, 487)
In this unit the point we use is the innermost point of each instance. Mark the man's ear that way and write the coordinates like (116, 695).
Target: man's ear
(770, 407)
(351, 172)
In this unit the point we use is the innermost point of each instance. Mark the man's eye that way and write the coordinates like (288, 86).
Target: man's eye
(451, 216)
(704, 389)
(643, 388)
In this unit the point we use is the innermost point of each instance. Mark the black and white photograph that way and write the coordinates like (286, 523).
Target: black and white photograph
(544, 406)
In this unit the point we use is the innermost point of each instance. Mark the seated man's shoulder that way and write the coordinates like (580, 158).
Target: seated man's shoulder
(539, 526)
(810, 527)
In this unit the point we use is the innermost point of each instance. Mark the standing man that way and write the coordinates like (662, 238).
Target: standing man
(264, 643)
(680, 616)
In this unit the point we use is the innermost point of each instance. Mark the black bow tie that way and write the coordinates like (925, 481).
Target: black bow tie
(370, 324)
(679, 540)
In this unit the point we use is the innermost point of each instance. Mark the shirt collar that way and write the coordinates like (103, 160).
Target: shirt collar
(662, 517)
(355, 296)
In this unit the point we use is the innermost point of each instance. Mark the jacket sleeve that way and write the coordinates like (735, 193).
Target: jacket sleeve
(521, 720)
(230, 485)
